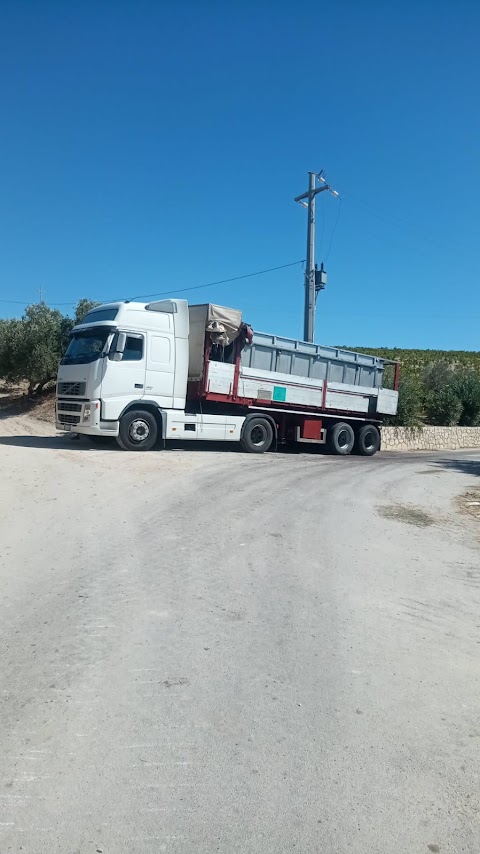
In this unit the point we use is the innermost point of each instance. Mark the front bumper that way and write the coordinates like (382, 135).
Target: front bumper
(82, 416)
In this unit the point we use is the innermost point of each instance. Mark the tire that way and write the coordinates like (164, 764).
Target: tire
(138, 430)
(341, 439)
(257, 435)
(367, 440)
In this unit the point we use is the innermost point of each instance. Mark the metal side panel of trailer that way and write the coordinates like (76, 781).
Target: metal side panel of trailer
(280, 355)
(285, 390)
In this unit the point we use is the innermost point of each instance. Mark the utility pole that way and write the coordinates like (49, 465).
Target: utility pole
(314, 279)
(41, 292)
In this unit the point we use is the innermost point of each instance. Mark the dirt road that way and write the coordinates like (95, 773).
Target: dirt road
(209, 651)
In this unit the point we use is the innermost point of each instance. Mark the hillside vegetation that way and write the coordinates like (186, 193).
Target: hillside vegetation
(415, 361)
(439, 387)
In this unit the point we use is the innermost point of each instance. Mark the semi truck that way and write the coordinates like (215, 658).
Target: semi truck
(148, 373)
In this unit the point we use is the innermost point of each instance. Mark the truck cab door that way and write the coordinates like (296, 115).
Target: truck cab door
(124, 375)
(160, 373)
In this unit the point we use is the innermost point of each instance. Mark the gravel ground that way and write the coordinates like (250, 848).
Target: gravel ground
(207, 651)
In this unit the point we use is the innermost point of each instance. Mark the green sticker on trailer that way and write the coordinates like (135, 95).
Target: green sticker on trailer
(279, 393)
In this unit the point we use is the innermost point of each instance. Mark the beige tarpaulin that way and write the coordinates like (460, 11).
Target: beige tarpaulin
(200, 317)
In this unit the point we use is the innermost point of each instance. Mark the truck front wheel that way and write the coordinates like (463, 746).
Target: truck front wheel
(367, 440)
(257, 435)
(341, 439)
(138, 431)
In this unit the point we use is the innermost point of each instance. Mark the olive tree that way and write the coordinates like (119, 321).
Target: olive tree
(31, 347)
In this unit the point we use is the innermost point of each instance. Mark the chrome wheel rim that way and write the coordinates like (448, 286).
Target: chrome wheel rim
(139, 430)
(258, 435)
(343, 439)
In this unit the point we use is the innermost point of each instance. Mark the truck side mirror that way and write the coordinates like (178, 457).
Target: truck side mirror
(119, 344)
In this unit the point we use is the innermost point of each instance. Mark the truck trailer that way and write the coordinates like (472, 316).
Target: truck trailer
(145, 373)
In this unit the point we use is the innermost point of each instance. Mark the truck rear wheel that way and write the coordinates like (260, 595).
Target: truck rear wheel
(257, 435)
(367, 440)
(138, 430)
(341, 439)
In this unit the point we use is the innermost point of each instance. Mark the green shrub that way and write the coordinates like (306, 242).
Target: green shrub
(467, 388)
(437, 376)
(410, 403)
(443, 407)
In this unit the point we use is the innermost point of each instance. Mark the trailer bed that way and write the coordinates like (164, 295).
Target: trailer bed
(277, 372)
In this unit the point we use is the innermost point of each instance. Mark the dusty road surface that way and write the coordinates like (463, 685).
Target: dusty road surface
(208, 651)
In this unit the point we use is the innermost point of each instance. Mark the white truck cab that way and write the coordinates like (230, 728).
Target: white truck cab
(121, 355)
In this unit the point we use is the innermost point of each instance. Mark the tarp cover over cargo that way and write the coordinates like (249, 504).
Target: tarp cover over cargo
(217, 325)
(282, 370)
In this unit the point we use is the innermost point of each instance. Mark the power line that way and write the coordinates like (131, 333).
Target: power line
(322, 208)
(27, 302)
(175, 290)
(219, 282)
(334, 228)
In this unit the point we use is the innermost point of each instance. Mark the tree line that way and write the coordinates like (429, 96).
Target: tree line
(442, 394)
(31, 346)
(440, 387)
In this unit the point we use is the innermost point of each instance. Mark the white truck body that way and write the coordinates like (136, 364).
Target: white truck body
(195, 371)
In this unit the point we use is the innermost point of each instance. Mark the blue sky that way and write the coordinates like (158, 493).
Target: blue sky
(152, 146)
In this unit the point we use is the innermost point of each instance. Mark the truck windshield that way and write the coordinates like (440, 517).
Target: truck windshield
(86, 346)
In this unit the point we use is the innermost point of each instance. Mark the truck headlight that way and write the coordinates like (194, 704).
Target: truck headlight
(86, 413)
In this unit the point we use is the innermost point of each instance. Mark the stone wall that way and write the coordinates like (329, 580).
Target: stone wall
(429, 438)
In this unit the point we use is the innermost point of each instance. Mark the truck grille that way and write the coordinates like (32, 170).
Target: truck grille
(68, 406)
(72, 389)
(63, 418)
